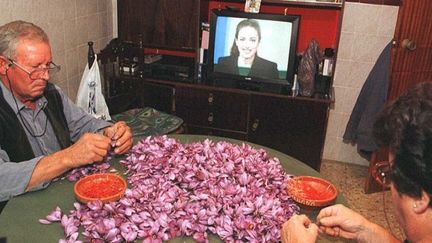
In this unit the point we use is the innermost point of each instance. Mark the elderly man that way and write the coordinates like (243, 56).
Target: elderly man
(42, 133)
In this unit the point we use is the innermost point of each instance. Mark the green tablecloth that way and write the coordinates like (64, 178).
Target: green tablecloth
(19, 219)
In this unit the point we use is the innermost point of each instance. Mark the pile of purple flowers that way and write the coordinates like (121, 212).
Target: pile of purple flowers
(234, 191)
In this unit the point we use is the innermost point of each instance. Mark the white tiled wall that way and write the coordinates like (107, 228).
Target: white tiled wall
(70, 24)
(366, 30)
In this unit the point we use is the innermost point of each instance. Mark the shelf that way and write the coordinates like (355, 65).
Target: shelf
(307, 3)
(310, 3)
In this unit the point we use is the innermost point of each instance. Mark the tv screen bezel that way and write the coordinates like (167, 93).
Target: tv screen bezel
(234, 79)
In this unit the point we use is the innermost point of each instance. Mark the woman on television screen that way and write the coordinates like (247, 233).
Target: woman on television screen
(243, 59)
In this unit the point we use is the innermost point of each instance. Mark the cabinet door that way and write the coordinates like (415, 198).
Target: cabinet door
(209, 108)
(157, 96)
(293, 126)
(172, 24)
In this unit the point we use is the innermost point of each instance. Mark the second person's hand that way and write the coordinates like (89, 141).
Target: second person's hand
(299, 229)
(340, 221)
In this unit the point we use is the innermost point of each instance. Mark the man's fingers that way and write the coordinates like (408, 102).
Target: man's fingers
(119, 129)
(312, 227)
(332, 231)
(123, 148)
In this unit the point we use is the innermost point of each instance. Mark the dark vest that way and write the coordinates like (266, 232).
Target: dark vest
(13, 138)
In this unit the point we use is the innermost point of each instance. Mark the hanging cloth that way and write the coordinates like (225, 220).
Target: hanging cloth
(370, 102)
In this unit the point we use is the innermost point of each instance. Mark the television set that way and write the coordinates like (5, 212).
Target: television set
(236, 38)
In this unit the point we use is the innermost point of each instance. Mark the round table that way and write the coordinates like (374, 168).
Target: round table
(19, 219)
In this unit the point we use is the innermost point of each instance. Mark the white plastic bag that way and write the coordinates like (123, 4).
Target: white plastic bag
(90, 96)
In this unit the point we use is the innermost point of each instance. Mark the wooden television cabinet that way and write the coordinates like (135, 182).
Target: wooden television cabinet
(293, 125)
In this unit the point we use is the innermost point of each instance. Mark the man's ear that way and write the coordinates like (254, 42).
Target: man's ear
(422, 204)
(4, 65)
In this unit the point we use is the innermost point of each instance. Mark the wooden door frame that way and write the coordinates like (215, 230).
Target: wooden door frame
(405, 70)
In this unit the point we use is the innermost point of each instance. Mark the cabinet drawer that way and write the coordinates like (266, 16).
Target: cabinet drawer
(217, 109)
(191, 129)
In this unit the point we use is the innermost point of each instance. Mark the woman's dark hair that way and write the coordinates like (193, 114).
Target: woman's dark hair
(405, 126)
(244, 23)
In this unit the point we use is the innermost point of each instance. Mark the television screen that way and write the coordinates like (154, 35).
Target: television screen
(252, 48)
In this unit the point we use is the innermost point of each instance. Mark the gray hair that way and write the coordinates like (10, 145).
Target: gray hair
(12, 33)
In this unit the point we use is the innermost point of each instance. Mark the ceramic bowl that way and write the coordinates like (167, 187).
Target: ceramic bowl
(106, 187)
(311, 191)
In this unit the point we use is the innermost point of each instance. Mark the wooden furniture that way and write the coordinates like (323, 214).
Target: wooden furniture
(24, 211)
(120, 94)
(165, 24)
(411, 62)
(293, 125)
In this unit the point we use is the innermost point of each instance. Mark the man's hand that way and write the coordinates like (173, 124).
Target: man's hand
(121, 137)
(299, 229)
(88, 149)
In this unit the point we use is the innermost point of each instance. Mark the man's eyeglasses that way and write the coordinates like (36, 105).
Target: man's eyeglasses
(38, 72)
(381, 172)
